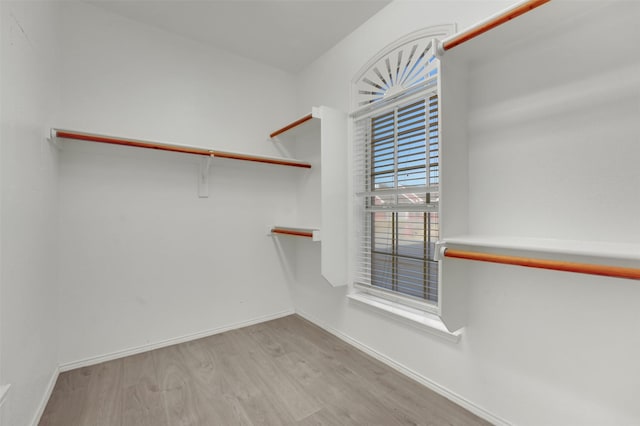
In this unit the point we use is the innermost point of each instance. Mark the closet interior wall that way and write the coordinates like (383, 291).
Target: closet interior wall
(551, 122)
(143, 260)
(561, 147)
(29, 84)
(108, 250)
(556, 158)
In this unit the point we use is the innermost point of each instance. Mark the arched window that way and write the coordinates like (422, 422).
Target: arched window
(396, 142)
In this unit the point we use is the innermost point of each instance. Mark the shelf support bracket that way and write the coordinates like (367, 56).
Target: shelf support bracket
(440, 249)
(203, 177)
(53, 138)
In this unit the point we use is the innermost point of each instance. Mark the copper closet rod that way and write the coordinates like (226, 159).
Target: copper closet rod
(292, 232)
(492, 23)
(291, 125)
(556, 265)
(67, 134)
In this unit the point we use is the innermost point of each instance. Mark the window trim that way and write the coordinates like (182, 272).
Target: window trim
(360, 220)
(397, 297)
(420, 91)
(422, 320)
(391, 146)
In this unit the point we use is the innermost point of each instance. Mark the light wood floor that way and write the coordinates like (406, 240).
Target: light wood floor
(282, 372)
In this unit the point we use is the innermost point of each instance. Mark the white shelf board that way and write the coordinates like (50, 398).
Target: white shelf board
(545, 19)
(308, 126)
(328, 128)
(314, 230)
(598, 249)
(182, 149)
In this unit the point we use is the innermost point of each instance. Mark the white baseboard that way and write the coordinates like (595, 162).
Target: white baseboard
(45, 397)
(173, 341)
(463, 402)
(452, 396)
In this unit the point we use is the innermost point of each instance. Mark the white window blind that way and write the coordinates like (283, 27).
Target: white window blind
(397, 177)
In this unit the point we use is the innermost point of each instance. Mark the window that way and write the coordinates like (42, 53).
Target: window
(397, 170)
(401, 213)
(399, 203)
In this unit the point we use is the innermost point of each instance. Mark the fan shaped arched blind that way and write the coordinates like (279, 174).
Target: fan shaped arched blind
(396, 142)
(402, 68)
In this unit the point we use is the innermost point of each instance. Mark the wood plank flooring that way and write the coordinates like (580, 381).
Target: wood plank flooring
(282, 372)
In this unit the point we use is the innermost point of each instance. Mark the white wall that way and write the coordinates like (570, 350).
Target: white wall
(28, 311)
(540, 347)
(142, 258)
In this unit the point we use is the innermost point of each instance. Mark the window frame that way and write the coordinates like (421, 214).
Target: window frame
(390, 100)
(425, 96)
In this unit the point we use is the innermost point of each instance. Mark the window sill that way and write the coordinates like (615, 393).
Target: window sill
(414, 317)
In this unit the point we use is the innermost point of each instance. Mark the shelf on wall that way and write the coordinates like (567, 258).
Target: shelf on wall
(513, 32)
(291, 126)
(313, 233)
(484, 107)
(548, 31)
(91, 137)
(491, 22)
(526, 20)
(554, 252)
(321, 137)
(600, 249)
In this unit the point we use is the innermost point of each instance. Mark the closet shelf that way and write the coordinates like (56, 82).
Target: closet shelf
(320, 137)
(313, 233)
(292, 125)
(491, 22)
(558, 250)
(91, 137)
(500, 33)
(602, 249)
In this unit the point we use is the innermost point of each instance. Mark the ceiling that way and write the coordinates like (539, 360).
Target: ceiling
(287, 34)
